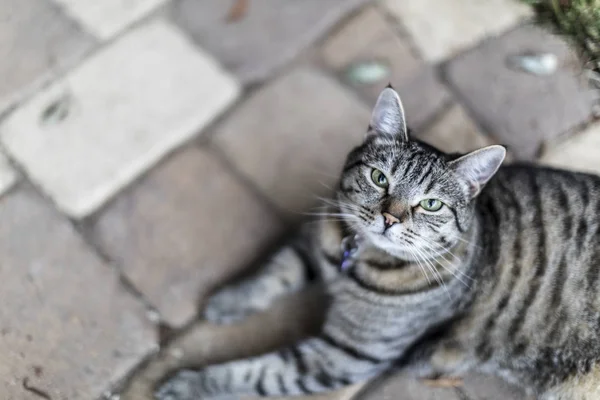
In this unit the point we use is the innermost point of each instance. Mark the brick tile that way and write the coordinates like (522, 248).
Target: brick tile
(267, 37)
(368, 37)
(107, 18)
(8, 176)
(520, 109)
(183, 229)
(485, 387)
(66, 324)
(442, 28)
(36, 41)
(580, 152)
(292, 137)
(423, 97)
(454, 131)
(401, 387)
(156, 92)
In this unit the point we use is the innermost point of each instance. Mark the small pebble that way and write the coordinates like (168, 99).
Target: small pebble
(177, 353)
(367, 72)
(57, 111)
(540, 64)
(153, 316)
(110, 396)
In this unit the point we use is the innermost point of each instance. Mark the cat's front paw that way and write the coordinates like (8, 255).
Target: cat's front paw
(230, 305)
(184, 385)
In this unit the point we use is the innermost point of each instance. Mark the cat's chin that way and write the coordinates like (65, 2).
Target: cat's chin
(394, 249)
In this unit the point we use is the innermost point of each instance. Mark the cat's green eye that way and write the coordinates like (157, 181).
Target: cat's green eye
(379, 178)
(432, 205)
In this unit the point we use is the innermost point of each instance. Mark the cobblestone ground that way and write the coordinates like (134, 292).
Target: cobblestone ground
(152, 149)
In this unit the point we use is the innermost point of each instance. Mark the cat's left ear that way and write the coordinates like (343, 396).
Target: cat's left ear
(478, 167)
(388, 116)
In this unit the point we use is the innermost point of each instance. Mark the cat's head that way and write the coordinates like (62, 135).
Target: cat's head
(405, 196)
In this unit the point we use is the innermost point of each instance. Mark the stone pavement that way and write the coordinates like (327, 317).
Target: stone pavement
(152, 149)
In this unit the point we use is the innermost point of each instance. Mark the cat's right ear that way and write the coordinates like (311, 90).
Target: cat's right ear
(478, 167)
(388, 116)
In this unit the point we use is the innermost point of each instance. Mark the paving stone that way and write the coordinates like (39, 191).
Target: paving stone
(107, 18)
(579, 152)
(37, 41)
(291, 138)
(401, 387)
(485, 387)
(423, 97)
(369, 38)
(266, 37)
(442, 28)
(67, 326)
(155, 92)
(454, 131)
(183, 229)
(8, 176)
(520, 109)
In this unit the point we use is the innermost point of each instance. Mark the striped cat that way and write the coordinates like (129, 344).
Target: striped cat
(437, 263)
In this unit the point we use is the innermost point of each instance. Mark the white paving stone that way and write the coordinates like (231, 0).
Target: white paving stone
(8, 176)
(131, 103)
(441, 28)
(106, 18)
(580, 152)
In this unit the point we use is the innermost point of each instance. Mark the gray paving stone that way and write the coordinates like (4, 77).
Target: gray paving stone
(520, 109)
(67, 326)
(401, 387)
(37, 41)
(268, 36)
(423, 96)
(8, 176)
(454, 131)
(183, 229)
(291, 138)
(369, 38)
(485, 387)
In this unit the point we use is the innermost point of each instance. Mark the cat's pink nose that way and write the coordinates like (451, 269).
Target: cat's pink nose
(389, 219)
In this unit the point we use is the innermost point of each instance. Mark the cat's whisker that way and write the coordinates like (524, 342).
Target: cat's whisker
(326, 186)
(337, 203)
(336, 217)
(325, 220)
(468, 242)
(435, 272)
(441, 250)
(432, 267)
(312, 170)
(454, 271)
(420, 265)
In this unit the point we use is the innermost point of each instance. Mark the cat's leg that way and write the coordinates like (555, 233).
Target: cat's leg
(289, 321)
(439, 363)
(316, 365)
(287, 271)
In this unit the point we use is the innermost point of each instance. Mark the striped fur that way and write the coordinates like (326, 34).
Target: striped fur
(504, 279)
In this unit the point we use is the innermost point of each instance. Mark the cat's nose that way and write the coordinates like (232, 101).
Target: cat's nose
(389, 219)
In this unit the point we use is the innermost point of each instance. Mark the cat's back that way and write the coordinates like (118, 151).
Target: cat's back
(538, 301)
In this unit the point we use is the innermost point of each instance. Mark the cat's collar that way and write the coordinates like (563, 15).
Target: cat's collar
(350, 246)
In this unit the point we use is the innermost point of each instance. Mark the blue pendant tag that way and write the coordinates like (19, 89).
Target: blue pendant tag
(350, 249)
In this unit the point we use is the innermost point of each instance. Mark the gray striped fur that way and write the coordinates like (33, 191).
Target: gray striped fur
(504, 279)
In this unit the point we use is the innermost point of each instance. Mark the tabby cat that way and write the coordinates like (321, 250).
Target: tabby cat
(437, 263)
